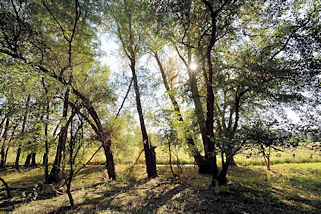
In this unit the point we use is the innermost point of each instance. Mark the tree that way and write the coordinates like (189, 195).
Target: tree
(264, 137)
(240, 63)
(131, 26)
(199, 160)
(54, 38)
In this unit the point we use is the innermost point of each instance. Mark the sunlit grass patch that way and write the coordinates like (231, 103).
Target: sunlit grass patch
(295, 186)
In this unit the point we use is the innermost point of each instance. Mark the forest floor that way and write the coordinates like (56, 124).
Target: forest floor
(287, 188)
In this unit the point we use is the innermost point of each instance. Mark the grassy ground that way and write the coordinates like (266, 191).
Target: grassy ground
(288, 188)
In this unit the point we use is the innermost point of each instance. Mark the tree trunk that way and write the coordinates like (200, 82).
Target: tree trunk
(71, 200)
(198, 158)
(209, 142)
(9, 143)
(45, 156)
(110, 165)
(170, 158)
(150, 157)
(268, 157)
(6, 186)
(3, 147)
(18, 157)
(153, 160)
(25, 117)
(268, 163)
(103, 136)
(28, 159)
(207, 164)
(6, 156)
(71, 164)
(55, 171)
(44, 159)
(221, 178)
(2, 163)
(233, 163)
(33, 160)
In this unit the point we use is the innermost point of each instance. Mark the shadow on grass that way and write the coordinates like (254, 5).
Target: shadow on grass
(307, 184)
(250, 191)
(23, 183)
(154, 203)
(256, 192)
(105, 198)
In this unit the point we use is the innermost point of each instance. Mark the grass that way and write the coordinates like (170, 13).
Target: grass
(299, 155)
(287, 188)
(292, 186)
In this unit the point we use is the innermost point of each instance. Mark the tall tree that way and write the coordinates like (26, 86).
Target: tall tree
(198, 158)
(131, 28)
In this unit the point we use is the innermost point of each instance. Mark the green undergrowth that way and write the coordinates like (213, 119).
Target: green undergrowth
(287, 188)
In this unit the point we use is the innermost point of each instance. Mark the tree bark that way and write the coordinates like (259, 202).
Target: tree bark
(150, 157)
(44, 159)
(54, 173)
(268, 157)
(3, 147)
(233, 163)
(110, 165)
(45, 156)
(9, 143)
(33, 160)
(28, 159)
(6, 186)
(71, 164)
(25, 117)
(170, 158)
(221, 178)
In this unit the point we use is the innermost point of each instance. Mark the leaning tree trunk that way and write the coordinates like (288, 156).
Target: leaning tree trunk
(150, 156)
(102, 134)
(198, 158)
(28, 160)
(9, 143)
(6, 186)
(55, 171)
(110, 165)
(207, 163)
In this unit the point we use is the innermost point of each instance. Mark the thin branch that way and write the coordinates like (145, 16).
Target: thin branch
(180, 56)
(55, 19)
(77, 109)
(122, 104)
(84, 165)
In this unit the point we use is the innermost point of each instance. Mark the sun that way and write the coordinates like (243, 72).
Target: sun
(193, 66)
